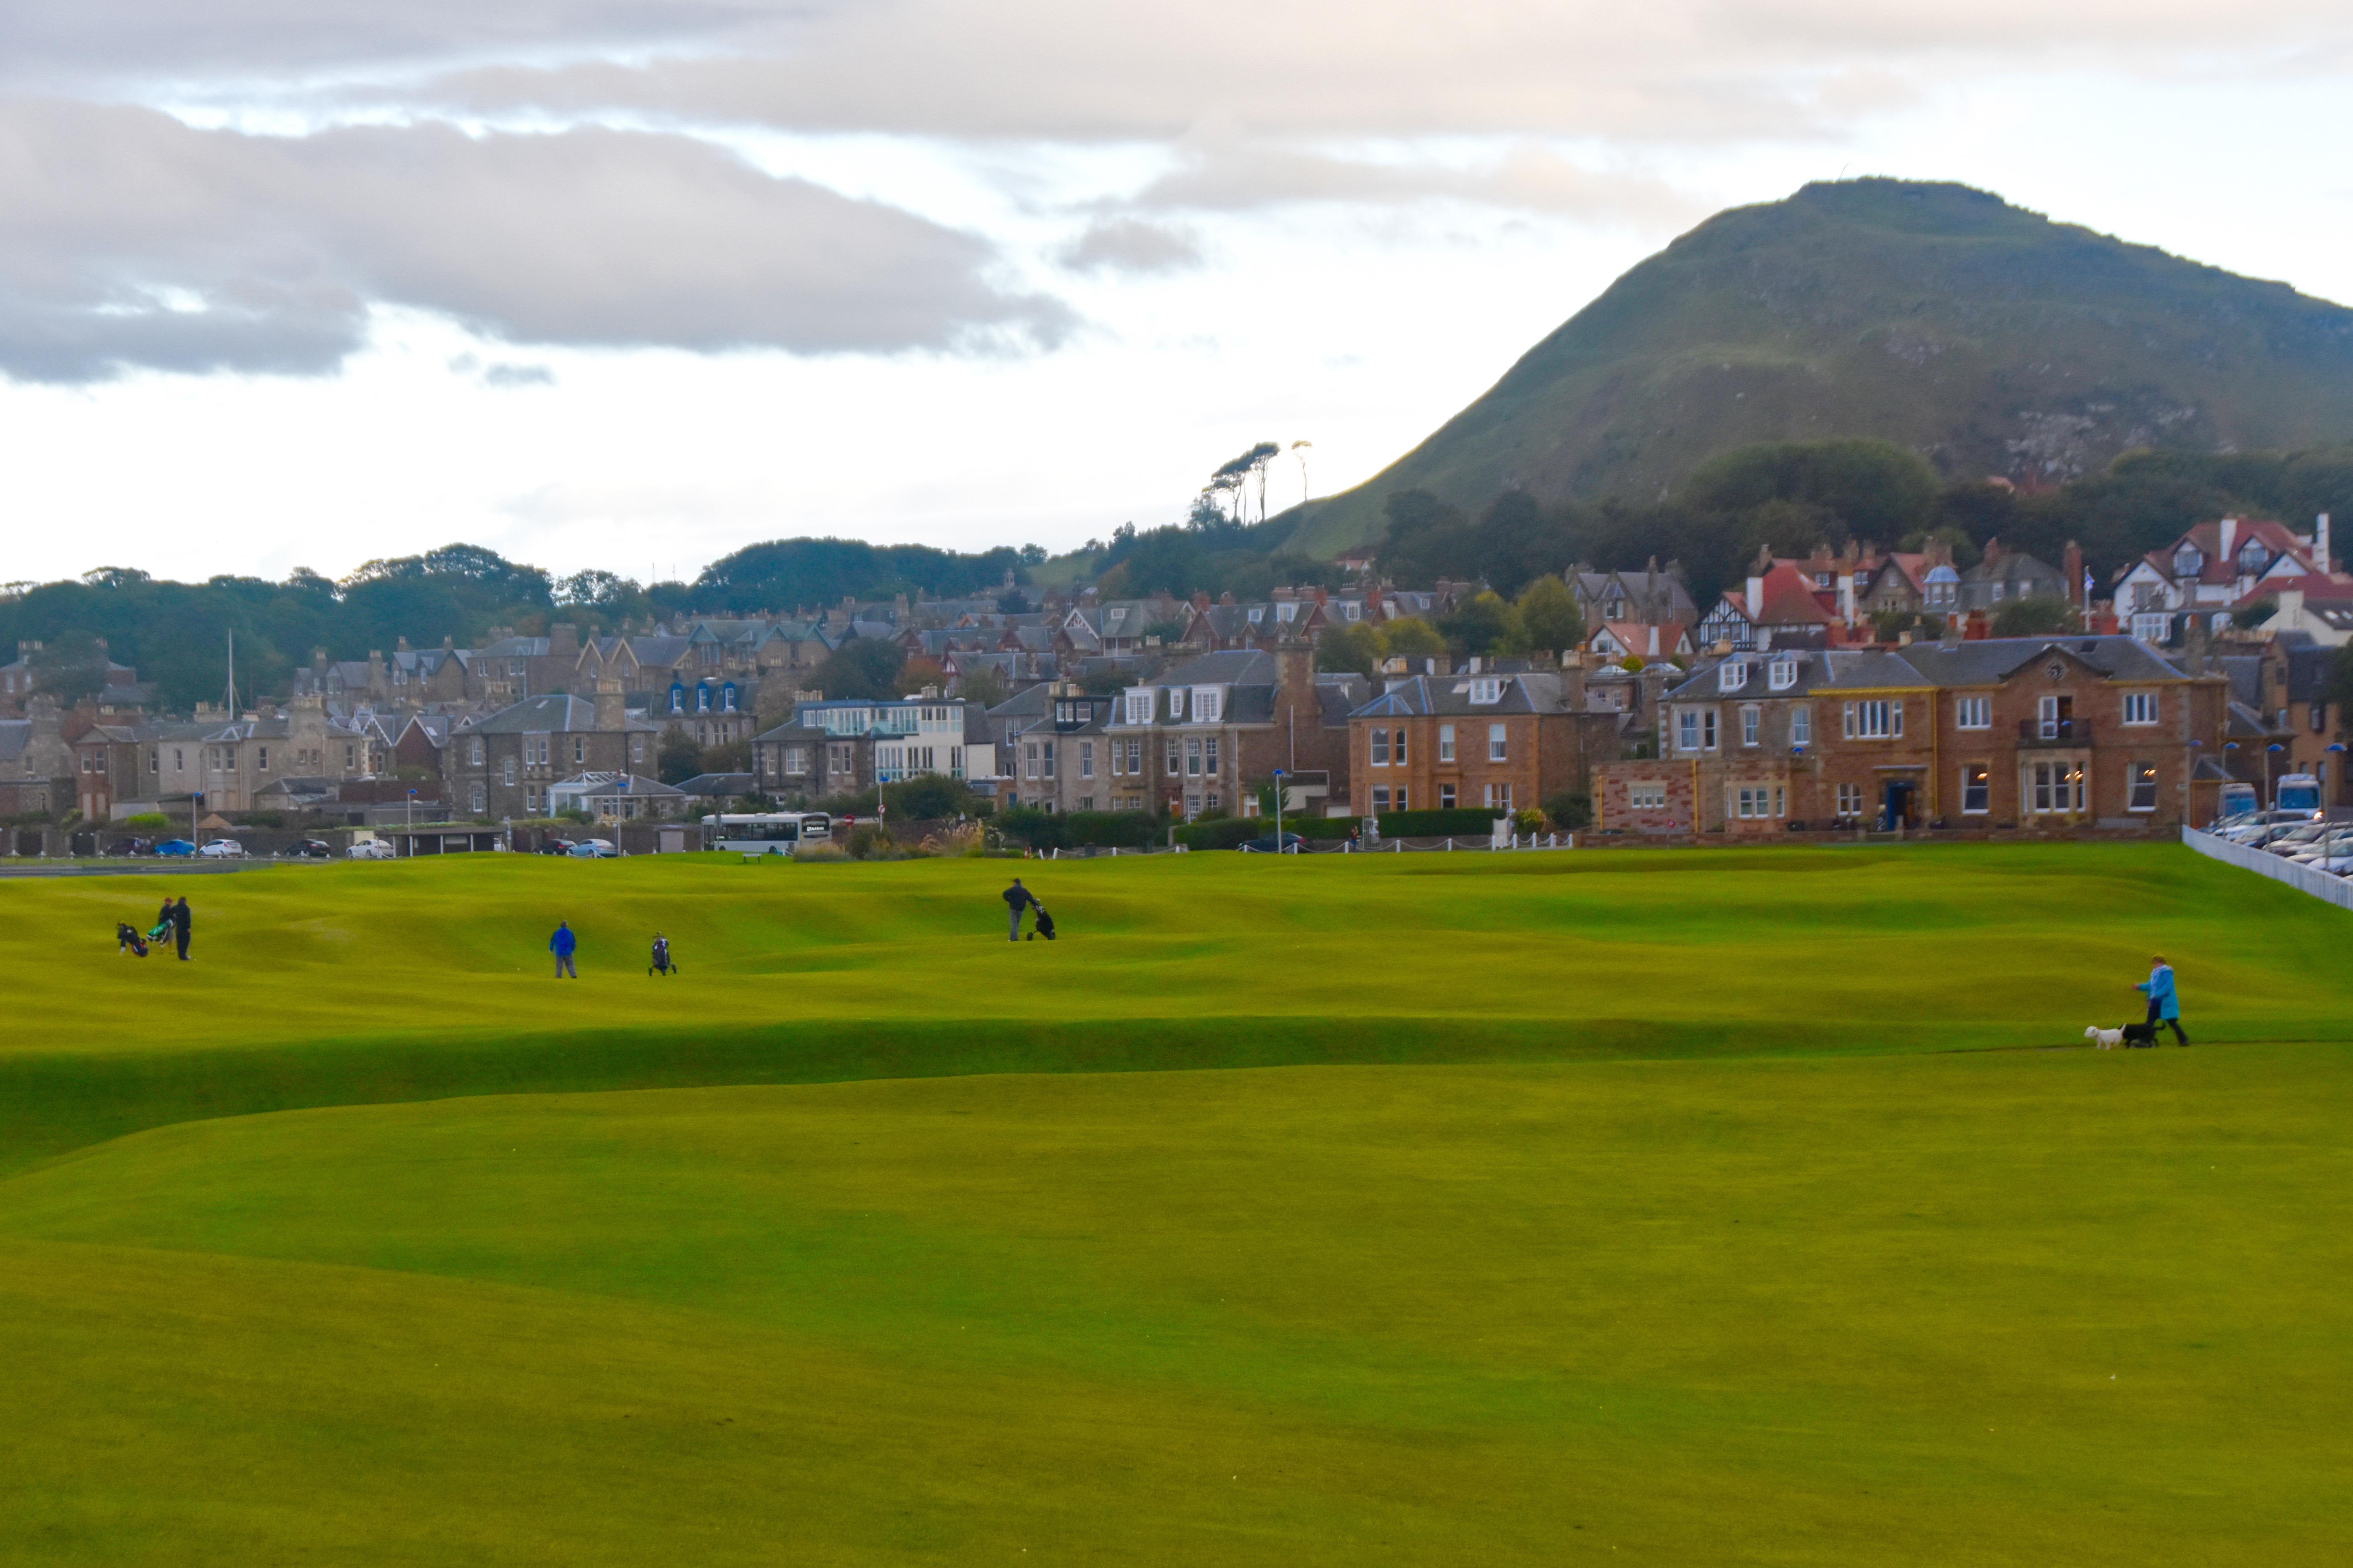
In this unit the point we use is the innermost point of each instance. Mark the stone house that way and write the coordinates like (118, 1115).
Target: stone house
(503, 765)
(1202, 736)
(1509, 742)
(2060, 733)
(847, 745)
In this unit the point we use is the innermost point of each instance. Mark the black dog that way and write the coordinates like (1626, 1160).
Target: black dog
(2138, 1034)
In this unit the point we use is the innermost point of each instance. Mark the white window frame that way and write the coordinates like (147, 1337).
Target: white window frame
(1686, 729)
(1139, 706)
(1781, 674)
(1397, 747)
(1208, 701)
(1801, 725)
(2140, 708)
(1647, 795)
(1731, 675)
(1499, 744)
(1446, 743)
(1983, 782)
(1499, 796)
(2140, 776)
(1486, 690)
(1376, 755)
(1752, 724)
(1875, 719)
(1973, 713)
(1849, 799)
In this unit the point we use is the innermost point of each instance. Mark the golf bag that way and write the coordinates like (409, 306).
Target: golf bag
(1045, 923)
(163, 932)
(128, 940)
(661, 964)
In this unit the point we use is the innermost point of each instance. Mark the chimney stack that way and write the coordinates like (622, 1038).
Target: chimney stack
(2071, 565)
(2320, 545)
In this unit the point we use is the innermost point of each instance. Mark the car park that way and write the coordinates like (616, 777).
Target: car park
(2294, 838)
(594, 849)
(175, 849)
(2255, 826)
(369, 849)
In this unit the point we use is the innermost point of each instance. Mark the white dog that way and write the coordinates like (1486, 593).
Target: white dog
(2107, 1040)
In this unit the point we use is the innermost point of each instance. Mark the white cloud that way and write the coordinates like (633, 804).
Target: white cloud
(128, 239)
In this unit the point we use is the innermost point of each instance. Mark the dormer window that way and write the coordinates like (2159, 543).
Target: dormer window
(2188, 561)
(1208, 702)
(1781, 674)
(1176, 702)
(1731, 675)
(1487, 689)
(2253, 558)
(1139, 707)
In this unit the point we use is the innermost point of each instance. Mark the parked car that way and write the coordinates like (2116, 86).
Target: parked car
(122, 848)
(307, 849)
(556, 847)
(2294, 838)
(370, 849)
(2253, 827)
(2336, 841)
(175, 849)
(223, 849)
(594, 849)
(1267, 846)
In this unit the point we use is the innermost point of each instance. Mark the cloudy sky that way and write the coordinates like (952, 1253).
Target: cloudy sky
(630, 283)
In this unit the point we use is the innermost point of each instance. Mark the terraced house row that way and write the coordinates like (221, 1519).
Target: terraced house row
(2061, 733)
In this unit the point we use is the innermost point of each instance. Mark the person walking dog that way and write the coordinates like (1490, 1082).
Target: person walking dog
(561, 944)
(1018, 898)
(180, 920)
(2164, 1002)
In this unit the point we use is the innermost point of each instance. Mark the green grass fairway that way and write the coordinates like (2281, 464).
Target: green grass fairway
(1684, 1208)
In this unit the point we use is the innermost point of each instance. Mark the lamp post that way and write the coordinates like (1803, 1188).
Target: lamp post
(1278, 811)
(195, 804)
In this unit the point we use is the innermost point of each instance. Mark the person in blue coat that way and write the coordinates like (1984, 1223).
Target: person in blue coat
(561, 944)
(2164, 1002)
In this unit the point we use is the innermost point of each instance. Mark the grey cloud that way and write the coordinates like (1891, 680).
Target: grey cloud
(518, 375)
(1129, 245)
(128, 240)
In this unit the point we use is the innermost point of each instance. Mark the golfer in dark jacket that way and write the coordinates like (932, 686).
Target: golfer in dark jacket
(561, 944)
(180, 926)
(1018, 897)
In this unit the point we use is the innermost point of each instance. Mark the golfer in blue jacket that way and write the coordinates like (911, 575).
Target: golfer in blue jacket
(561, 944)
(2163, 1003)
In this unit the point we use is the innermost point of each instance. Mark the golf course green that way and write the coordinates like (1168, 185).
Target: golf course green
(1686, 1207)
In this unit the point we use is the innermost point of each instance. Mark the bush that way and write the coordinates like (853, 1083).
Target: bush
(146, 821)
(931, 797)
(1029, 825)
(1223, 832)
(1125, 829)
(868, 842)
(1456, 823)
(1570, 811)
(1528, 821)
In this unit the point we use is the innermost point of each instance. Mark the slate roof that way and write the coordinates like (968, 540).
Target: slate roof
(1422, 696)
(559, 714)
(1986, 662)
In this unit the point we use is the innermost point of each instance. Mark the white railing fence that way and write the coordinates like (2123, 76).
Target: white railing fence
(2337, 890)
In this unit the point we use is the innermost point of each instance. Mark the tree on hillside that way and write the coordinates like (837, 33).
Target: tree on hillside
(1411, 638)
(1876, 490)
(919, 672)
(1549, 620)
(2036, 617)
(677, 758)
(1479, 626)
(865, 667)
(1350, 647)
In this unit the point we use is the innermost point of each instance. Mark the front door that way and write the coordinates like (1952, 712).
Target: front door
(1897, 805)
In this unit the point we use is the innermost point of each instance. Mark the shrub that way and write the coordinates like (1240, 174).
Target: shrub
(1029, 825)
(1125, 829)
(1529, 821)
(1569, 811)
(1455, 823)
(146, 821)
(867, 842)
(1222, 832)
(931, 797)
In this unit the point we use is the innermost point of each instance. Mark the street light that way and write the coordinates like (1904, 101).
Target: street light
(1278, 811)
